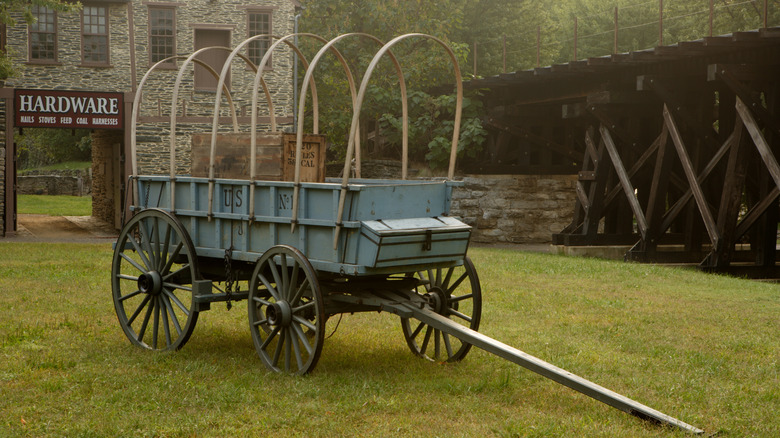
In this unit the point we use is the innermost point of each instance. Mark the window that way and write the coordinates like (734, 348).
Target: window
(162, 33)
(259, 23)
(43, 35)
(94, 35)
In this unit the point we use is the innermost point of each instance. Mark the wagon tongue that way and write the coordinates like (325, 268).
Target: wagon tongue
(465, 334)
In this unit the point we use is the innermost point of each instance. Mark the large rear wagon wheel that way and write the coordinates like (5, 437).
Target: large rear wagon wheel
(454, 293)
(286, 313)
(151, 281)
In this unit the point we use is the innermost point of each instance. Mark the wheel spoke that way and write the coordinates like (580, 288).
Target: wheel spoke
(304, 340)
(303, 307)
(169, 309)
(134, 263)
(296, 347)
(416, 331)
(173, 256)
(447, 278)
(454, 299)
(130, 295)
(424, 346)
(169, 275)
(277, 281)
(299, 293)
(287, 350)
(138, 310)
(292, 282)
(304, 322)
(446, 338)
(166, 245)
(145, 323)
(154, 238)
(270, 338)
(146, 244)
(278, 351)
(268, 287)
(261, 301)
(284, 288)
(436, 343)
(260, 322)
(166, 328)
(174, 286)
(172, 297)
(460, 315)
(156, 326)
(457, 283)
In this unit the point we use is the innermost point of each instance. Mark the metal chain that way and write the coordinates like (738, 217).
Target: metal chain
(146, 198)
(229, 275)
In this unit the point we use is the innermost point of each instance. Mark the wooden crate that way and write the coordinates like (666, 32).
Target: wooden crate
(275, 156)
(312, 158)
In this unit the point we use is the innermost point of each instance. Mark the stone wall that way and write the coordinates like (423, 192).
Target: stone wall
(501, 208)
(515, 208)
(71, 183)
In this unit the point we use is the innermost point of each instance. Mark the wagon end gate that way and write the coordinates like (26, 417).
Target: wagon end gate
(408, 309)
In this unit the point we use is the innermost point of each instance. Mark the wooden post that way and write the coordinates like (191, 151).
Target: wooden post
(660, 22)
(538, 44)
(615, 49)
(475, 59)
(766, 14)
(504, 54)
(575, 39)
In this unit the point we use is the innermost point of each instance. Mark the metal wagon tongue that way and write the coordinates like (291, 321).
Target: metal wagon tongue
(423, 314)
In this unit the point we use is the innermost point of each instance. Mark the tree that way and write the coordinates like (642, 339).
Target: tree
(425, 65)
(11, 8)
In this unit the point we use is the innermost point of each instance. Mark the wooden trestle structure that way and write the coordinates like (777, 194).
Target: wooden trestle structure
(677, 148)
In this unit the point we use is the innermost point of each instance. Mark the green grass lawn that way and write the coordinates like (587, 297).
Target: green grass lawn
(702, 348)
(54, 205)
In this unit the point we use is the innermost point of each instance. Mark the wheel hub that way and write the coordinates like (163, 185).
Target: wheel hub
(150, 283)
(437, 299)
(279, 314)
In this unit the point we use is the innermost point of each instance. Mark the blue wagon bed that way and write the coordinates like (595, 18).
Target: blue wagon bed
(299, 252)
(388, 226)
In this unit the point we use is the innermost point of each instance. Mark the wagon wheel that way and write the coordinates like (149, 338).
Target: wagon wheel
(450, 295)
(286, 313)
(151, 281)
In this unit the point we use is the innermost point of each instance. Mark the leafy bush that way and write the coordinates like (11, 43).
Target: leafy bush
(43, 146)
(431, 125)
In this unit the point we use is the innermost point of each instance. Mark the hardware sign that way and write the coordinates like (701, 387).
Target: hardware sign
(68, 109)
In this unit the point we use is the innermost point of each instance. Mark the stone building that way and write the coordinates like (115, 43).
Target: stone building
(96, 57)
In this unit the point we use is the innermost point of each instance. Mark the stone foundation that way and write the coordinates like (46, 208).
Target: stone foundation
(515, 208)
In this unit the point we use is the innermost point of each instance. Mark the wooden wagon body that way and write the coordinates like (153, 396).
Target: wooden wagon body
(389, 226)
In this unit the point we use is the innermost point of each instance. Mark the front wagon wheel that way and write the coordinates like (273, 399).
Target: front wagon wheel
(286, 313)
(454, 293)
(151, 281)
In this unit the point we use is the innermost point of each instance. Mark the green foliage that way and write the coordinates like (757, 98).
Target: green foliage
(431, 127)
(44, 146)
(424, 63)
(8, 8)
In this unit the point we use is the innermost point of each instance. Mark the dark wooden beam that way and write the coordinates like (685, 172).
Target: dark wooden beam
(698, 193)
